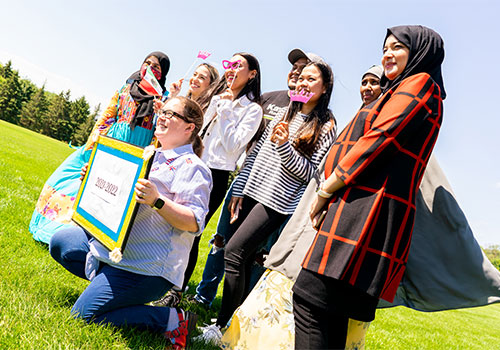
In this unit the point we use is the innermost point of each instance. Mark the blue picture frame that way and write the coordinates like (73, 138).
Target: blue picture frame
(95, 222)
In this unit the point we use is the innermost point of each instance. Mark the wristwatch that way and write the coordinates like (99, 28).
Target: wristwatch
(159, 203)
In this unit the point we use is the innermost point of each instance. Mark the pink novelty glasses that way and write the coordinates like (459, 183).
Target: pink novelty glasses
(231, 65)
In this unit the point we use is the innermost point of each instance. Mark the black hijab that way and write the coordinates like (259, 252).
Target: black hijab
(145, 101)
(426, 55)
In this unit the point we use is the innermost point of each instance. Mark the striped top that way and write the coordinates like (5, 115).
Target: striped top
(154, 247)
(276, 176)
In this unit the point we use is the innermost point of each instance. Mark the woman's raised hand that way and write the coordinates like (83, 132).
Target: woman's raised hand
(280, 133)
(157, 106)
(227, 95)
(175, 88)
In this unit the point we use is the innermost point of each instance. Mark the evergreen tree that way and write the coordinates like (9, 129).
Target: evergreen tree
(34, 112)
(56, 122)
(11, 94)
(6, 71)
(82, 133)
(80, 111)
(27, 90)
(21, 102)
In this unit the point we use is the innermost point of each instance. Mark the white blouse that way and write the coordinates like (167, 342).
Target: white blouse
(230, 125)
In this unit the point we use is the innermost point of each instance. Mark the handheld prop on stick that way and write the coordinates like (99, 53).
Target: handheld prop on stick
(150, 85)
(236, 65)
(300, 96)
(201, 54)
(295, 96)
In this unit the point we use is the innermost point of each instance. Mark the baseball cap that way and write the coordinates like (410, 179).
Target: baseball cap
(297, 54)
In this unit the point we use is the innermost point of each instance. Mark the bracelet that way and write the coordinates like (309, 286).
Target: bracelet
(323, 194)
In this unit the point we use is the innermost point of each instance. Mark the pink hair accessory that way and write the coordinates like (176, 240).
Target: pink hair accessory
(300, 96)
(203, 54)
(231, 65)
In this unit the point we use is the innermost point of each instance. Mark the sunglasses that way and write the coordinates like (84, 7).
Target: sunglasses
(167, 113)
(231, 65)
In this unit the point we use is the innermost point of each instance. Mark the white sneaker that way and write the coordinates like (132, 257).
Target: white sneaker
(211, 334)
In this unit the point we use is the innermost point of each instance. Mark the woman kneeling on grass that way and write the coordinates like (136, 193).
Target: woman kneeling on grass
(174, 203)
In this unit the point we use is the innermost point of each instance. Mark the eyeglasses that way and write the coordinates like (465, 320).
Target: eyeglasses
(231, 65)
(167, 113)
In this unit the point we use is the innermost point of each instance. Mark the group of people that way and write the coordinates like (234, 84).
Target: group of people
(363, 211)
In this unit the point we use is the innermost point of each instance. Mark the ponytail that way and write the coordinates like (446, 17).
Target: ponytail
(198, 146)
(193, 114)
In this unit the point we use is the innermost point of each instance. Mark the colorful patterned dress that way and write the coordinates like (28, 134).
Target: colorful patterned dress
(54, 207)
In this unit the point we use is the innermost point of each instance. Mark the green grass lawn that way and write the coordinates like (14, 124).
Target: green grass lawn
(36, 294)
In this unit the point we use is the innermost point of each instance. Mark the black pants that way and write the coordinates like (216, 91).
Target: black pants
(322, 307)
(220, 179)
(316, 328)
(255, 224)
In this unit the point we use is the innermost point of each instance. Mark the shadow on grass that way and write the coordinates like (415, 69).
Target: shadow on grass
(40, 246)
(141, 339)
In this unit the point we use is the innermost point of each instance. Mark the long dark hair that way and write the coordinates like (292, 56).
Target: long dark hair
(252, 87)
(310, 132)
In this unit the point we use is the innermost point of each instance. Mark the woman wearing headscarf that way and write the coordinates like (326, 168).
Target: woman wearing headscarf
(129, 117)
(370, 85)
(372, 176)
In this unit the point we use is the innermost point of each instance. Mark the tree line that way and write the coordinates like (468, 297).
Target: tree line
(493, 254)
(55, 115)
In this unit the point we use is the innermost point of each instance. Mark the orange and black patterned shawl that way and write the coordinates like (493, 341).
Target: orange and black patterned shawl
(381, 156)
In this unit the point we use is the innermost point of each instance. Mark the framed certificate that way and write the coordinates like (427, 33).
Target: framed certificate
(105, 205)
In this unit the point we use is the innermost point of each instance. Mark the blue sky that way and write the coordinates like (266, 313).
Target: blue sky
(91, 47)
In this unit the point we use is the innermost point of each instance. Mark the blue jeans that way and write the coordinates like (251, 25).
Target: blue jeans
(114, 296)
(214, 266)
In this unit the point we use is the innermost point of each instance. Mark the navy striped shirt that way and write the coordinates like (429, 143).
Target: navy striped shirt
(276, 176)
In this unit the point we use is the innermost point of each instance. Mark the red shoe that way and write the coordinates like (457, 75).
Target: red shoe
(181, 335)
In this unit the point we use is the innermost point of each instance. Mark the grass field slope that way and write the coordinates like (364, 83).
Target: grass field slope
(36, 294)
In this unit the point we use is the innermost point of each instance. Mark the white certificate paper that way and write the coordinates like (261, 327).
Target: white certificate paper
(108, 187)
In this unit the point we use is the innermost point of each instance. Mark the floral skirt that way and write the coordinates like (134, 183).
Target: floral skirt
(265, 319)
